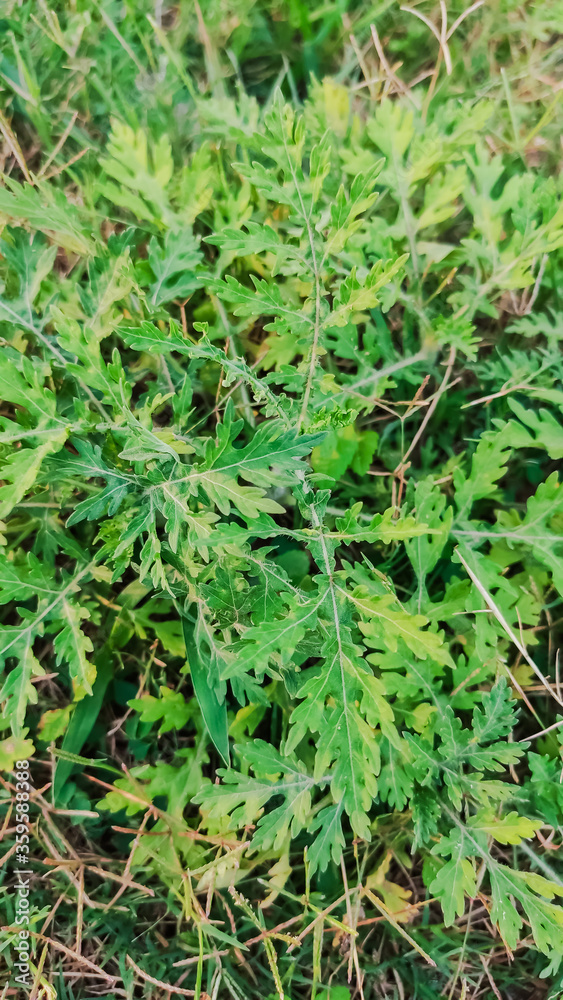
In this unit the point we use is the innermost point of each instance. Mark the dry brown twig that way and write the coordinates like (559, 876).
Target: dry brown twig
(390, 73)
(403, 465)
(164, 986)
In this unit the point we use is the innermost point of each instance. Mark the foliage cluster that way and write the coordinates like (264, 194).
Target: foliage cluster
(280, 564)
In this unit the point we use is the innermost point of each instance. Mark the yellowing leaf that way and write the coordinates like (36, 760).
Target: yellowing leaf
(509, 829)
(395, 896)
(12, 749)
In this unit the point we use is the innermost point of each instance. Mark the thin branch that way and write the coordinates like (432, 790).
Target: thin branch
(503, 622)
(58, 146)
(164, 986)
(12, 142)
(542, 732)
(440, 36)
(431, 408)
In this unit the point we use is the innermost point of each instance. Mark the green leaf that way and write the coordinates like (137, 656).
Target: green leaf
(174, 266)
(345, 738)
(535, 428)
(329, 842)
(18, 690)
(244, 797)
(213, 707)
(83, 720)
(142, 174)
(454, 880)
(387, 625)
(487, 467)
(171, 708)
(49, 211)
(71, 646)
(355, 296)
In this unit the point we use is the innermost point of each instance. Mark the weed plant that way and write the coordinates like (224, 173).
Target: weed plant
(280, 447)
